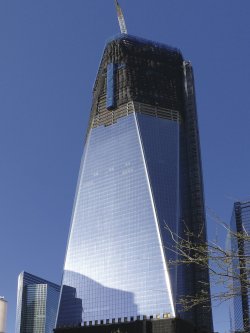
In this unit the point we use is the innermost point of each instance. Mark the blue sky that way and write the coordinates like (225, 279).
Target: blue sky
(50, 52)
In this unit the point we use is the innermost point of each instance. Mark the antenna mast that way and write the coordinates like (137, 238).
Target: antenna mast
(121, 19)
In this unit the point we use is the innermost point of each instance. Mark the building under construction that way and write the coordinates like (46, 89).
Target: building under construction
(141, 170)
(140, 176)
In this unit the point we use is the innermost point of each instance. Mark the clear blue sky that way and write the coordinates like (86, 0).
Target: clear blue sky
(49, 56)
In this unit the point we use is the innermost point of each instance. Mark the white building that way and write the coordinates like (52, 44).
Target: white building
(3, 314)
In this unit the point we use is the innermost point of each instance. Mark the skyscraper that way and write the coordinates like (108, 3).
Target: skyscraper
(140, 171)
(240, 225)
(37, 302)
(3, 314)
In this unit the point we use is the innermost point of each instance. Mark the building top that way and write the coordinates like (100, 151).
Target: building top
(140, 40)
(32, 279)
(138, 70)
(242, 203)
(3, 299)
(242, 212)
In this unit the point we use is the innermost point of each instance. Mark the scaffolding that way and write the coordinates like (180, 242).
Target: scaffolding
(135, 70)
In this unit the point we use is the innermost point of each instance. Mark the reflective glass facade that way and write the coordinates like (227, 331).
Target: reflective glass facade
(37, 302)
(240, 223)
(133, 181)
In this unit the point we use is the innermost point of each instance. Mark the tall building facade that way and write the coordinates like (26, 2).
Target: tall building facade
(3, 314)
(240, 225)
(140, 172)
(37, 302)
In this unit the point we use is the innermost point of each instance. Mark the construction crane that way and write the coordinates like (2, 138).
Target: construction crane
(121, 19)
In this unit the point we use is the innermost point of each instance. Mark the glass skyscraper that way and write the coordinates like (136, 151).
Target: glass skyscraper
(140, 172)
(240, 225)
(37, 302)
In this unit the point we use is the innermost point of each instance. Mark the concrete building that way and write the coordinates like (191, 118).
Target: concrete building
(3, 314)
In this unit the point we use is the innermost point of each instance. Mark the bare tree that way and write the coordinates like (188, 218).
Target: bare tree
(229, 266)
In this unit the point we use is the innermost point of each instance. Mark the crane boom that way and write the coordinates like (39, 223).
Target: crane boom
(121, 19)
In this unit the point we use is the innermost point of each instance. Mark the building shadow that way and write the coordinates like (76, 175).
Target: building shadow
(84, 300)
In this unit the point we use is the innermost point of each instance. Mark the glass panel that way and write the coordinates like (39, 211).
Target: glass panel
(160, 138)
(37, 304)
(114, 267)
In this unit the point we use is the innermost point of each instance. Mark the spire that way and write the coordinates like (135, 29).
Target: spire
(121, 19)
